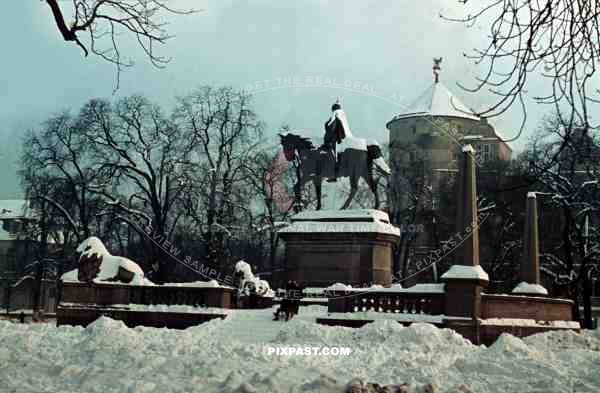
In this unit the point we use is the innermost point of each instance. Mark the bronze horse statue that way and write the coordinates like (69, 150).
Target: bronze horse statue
(315, 163)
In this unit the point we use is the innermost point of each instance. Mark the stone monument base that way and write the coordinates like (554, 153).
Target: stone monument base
(348, 246)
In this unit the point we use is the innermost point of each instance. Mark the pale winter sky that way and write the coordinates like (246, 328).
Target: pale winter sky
(385, 44)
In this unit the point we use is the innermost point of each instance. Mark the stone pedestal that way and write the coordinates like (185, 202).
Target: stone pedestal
(348, 246)
(463, 292)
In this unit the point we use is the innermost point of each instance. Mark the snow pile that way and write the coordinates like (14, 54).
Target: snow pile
(109, 267)
(530, 322)
(530, 289)
(377, 316)
(178, 308)
(251, 283)
(230, 356)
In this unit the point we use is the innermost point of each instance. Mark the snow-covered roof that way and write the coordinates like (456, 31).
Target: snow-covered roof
(463, 272)
(15, 208)
(437, 100)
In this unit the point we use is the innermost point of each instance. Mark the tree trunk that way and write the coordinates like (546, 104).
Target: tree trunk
(587, 301)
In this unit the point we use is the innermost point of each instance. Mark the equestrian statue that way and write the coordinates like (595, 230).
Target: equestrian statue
(341, 155)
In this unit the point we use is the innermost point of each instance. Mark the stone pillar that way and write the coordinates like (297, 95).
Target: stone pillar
(467, 252)
(530, 264)
(465, 280)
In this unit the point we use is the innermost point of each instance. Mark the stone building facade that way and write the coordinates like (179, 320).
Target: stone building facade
(425, 142)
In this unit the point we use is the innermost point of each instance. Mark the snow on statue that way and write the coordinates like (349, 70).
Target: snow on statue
(96, 264)
(250, 282)
(355, 158)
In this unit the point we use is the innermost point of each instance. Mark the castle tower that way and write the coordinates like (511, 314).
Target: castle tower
(426, 139)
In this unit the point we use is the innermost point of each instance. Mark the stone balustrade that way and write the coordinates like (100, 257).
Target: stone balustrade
(110, 294)
(387, 301)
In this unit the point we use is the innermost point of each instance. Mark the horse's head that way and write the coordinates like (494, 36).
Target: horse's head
(292, 142)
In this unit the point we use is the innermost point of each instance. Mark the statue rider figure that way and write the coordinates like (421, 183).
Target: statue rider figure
(334, 133)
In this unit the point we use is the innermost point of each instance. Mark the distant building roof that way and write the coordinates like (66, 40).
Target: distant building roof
(437, 100)
(15, 208)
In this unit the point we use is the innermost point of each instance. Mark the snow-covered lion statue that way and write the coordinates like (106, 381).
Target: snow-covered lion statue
(251, 283)
(97, 264)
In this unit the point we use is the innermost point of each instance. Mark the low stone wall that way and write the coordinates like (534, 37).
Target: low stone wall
(410, 302)
(83, 303)
(20, 295)
(111, 294)
(526, 307)
(83, 316)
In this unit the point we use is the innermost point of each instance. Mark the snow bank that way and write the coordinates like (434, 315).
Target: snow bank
(229, 356)
(377, 316)
(530, 322)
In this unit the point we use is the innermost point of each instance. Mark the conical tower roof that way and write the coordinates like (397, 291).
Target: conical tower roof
(437, 100)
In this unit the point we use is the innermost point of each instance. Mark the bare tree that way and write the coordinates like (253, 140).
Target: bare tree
(569, 188)
(557, 39)
(96, 25)
(224, 131)
(59, 151)
(271, 184)
(147, 157)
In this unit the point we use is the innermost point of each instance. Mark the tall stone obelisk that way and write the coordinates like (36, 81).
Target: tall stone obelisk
(467, 253)
(530, 264)
(466, 279)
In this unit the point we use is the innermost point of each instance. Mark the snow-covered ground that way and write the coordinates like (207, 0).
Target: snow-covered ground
(230, 356)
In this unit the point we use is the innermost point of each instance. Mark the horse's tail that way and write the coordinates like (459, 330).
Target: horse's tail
(375, 156)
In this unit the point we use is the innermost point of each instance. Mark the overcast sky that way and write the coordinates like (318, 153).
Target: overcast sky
(387, 45)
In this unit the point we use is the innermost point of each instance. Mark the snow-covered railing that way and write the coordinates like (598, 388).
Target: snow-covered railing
(384, 300)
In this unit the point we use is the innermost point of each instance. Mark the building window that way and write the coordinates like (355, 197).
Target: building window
(486, 152)
(435, 203)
